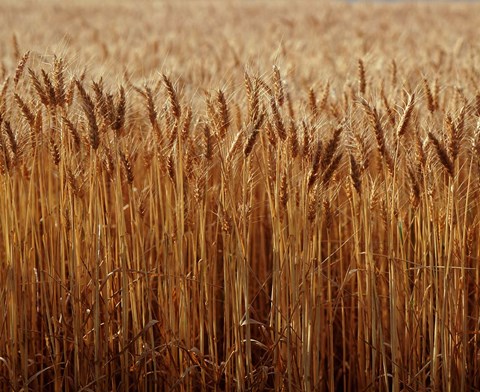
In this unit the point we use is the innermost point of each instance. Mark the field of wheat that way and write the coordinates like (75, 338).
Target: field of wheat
(239, 195)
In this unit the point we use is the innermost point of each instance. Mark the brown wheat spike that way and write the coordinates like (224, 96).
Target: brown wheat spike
(142, 202)
(226, 221)
(442, 154)
(355, 175)
(33, 131)
(259, 120)
(119, 121)
(38, 87)
(251, 139)
(291, 110)
(49, 89)
(247, 81)
(374, 120)
(238, 116)
(414, 195)
(271, 169)
(20, 68)
(98, 87)
(66, 223)
(278, 86)
(59, 80)
(12, 138)
(312, 103)
(127, 167)
(404, 121)
(72, 182)
(82, 75)
(73, 133)
(171, 166)
(89, 109)
(324, 99)
(191, 160)
(476, 139)
(235, 147)
(306, 148)
(199, 188)
(223, 114)
(5, 164)
(277, 121)
(331, 147)
(147, 157)
(207, 143)
(312, 205)
(187, 121)
(272, 138)
(3, 91)
(429, 96)
(38, 126)
(54, 151)
(420, 156)
(175, 107)
(172, 128)
(393, 72)
(283, 191)
(452, 138)
(388, 108)
(152, 110)
(26, 112)
(100, 100)
(335, 109)
(313, 174)
(328, 173)
(69, 93)
(362, 84)
(110, 109)
(108, 164)
(293, 139)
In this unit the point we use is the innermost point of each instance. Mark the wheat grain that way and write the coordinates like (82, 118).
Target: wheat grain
(20, 68)
(362, 83)
(278, 86)
(89, 109)
(404, 121)
(442, 154)
(172, 95)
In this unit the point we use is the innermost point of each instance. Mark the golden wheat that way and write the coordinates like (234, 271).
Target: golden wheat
(286, 198)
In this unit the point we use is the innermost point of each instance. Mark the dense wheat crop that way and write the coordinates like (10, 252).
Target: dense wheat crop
(207, 195)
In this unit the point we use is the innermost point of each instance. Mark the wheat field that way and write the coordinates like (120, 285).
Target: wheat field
(239, 195)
